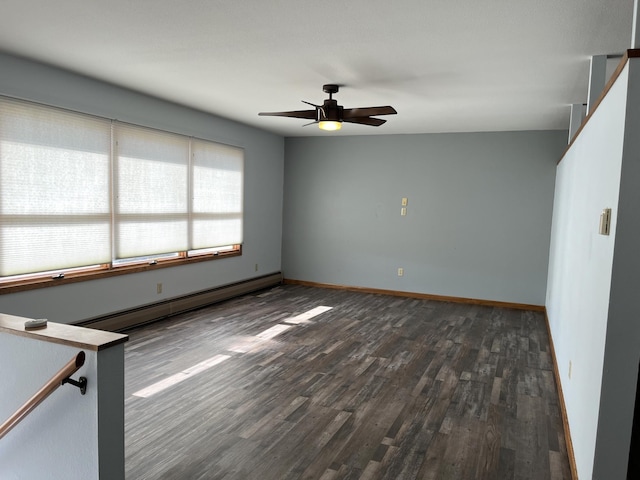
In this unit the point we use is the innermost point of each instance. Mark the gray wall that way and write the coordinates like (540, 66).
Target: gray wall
(478, 216)
(264, 163)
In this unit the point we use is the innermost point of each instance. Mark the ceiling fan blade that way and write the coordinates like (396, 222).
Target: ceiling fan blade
(310, 114)
(374, 122)
(367, 112)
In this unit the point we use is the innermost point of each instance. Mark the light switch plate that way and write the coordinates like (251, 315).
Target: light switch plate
(605, 222)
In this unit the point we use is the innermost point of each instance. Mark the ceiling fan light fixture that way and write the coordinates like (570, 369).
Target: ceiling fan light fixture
(330, 125)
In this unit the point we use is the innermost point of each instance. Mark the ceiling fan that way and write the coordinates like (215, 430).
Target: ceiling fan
(330, 115)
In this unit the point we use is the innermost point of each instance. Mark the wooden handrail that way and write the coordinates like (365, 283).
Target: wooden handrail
(47, 389)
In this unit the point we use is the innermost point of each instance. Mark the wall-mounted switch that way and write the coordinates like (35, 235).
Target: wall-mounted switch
(159, 288)
(400, 271)
(605, 222)
(404, 201)
(403, 211)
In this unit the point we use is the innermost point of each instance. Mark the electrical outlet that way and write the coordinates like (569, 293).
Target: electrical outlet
(256, 267)
(159, 288)
(400, 271)
(403, 211)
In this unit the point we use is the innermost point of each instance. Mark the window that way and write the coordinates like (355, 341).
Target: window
(78, 191)
(54, 189)
(151, 204)
(217, 178)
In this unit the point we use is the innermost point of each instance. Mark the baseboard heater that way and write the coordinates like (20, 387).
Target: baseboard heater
(126, 319)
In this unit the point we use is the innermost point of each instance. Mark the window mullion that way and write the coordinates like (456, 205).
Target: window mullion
(190, 180)
(112, 204)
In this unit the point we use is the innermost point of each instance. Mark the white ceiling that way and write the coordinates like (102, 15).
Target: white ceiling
(445, 65)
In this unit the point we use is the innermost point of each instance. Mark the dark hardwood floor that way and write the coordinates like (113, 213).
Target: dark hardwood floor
(377, 387)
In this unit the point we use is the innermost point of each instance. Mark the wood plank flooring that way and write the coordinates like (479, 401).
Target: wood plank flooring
(377, 387)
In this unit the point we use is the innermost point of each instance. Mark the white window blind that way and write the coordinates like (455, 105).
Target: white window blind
(151, 192)
(67, 200)
(217, 185)
(54, 190)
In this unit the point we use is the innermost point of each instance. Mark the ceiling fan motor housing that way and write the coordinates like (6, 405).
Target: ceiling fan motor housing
(330, 111)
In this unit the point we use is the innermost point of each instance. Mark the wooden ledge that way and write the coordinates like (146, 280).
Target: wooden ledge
(632, 53)
(62, 334)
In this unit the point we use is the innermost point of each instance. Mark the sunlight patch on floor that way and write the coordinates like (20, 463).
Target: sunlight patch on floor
(244, 345)
(306, 316)
(180, 376)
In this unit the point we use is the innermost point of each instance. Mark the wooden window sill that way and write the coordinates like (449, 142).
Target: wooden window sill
(75, 277)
